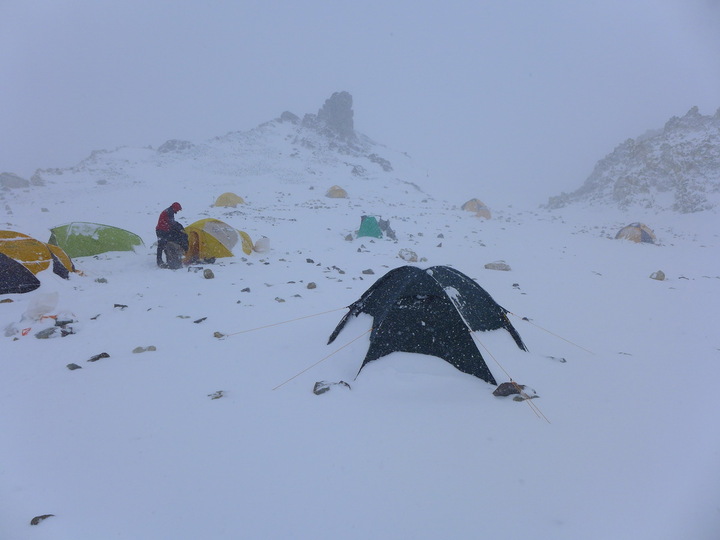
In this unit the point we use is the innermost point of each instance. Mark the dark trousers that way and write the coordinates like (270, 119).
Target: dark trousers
(163, 237)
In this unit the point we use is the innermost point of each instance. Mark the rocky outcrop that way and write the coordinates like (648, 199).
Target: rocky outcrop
(674, 168)
(13, 181)
(335, 116)
(175, 145)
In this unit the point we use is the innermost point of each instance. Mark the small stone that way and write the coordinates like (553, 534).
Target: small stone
(218, 335)
(73, 367)
(37, 519)
(101, 280)
(508, 389)
(97, 357)
(498, 265)
(659, 275)
(312, 285)
(208, 274)
(408, 255)
(369, 271)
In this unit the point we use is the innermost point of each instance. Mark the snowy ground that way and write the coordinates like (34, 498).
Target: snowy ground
(626, 443)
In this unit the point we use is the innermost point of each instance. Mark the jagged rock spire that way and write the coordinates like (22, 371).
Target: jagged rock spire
(337, 114)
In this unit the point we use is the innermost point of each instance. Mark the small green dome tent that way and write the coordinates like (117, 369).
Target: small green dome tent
(369, 226)
(82, 239)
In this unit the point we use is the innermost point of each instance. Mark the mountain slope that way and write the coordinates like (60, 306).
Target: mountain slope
(676, 168)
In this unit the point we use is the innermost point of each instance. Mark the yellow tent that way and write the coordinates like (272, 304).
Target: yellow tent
(213, 239)
(35, 255)
(636, 232)
(477, 206)
(229, 200)
(336, 192)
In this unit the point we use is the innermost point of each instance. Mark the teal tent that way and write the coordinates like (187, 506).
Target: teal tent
(369, 227)
(83, 239)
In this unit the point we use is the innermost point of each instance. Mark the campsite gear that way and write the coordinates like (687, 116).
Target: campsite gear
(35, 255)
(637, 232)
(40, 305)
(81, 239)
(369, 226)
(15, 278)
(212, 239)
(433, 312)
(229, 200)
(174, 253)
(174, 244)
(336, 192)
(477, 206)
(262, 245)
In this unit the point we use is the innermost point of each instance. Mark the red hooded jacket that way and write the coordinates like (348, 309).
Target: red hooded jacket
(167, 218)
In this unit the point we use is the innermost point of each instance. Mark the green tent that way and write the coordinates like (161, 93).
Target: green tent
(369, 227)
(81, 239)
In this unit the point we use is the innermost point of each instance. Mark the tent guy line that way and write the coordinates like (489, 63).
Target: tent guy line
(519, 388)
(325, 358)
(282, 322)
(549, 332)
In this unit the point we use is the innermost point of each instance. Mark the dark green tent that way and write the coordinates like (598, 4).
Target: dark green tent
(81, 239)
(15, 278)
(432, 312)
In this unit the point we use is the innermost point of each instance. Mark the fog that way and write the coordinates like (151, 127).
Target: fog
(521, 96)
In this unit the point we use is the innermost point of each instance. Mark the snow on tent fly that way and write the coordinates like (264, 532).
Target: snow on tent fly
(433, 312)
(35, 255)
(82, 239)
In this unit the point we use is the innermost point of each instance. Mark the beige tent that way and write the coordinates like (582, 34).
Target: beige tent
(637, 232)
(336, 192)
(229, 200)
(477, 206)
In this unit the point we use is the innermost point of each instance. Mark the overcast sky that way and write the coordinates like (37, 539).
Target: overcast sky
(524, 95)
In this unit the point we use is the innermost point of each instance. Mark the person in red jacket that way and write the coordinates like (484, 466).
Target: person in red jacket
(169, 230)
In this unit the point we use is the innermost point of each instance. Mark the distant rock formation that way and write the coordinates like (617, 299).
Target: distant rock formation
(175, 145)
(335, 116)
(13, 181)
(323, 141)
(675, 168)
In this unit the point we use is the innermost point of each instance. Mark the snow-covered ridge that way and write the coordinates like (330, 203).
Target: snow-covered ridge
(676, 168)
(315, 143)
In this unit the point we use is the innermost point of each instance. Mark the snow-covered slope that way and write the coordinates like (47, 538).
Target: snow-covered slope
(223, 437)
(675, 168)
